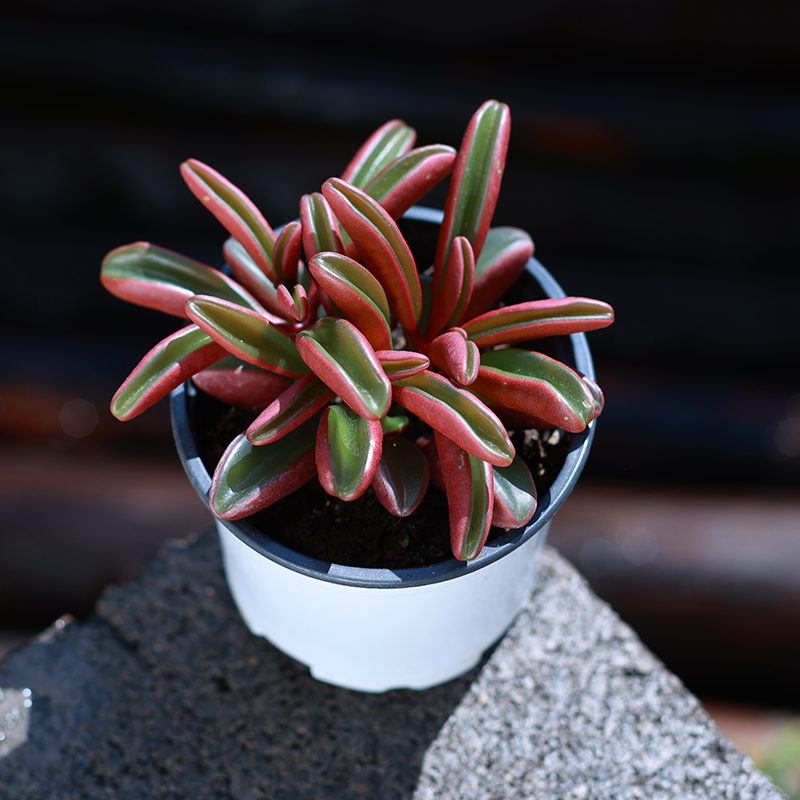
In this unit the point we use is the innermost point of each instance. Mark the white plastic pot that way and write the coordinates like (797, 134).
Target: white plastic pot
(379, 629)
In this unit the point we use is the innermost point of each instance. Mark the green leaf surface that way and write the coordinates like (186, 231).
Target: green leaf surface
(402, 363)
(456, 413)
(234, 209)
(349, 448)
(537, 319)
(158, 278)
(402, 476)
(537, 385)
(249, 478)
(171, 362)
(514, 495)
(247, 335)
(340, 355)
(252, 277)
(392, 139)
(320, 226)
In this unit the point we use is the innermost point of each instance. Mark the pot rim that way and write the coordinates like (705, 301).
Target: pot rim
(366, 577)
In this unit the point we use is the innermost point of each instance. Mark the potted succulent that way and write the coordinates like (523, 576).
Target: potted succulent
(359, 365)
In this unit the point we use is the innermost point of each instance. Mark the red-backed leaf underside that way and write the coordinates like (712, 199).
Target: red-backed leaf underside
(249, 478)
(348, 451)
(452, 288)
(171, 362)
(535, 384)
(234, 209)
(456, 413)
(158, 278)
(381, 246)
(289, 410)
(469, 483)
(502, 260)
(456, 355)
(247, 335)
(537, 319)
(514, 495)
(402, 476)
(410, 177)
(392, 139)
(240, 384)
(475, 183)
(358, 295)
(340, 355)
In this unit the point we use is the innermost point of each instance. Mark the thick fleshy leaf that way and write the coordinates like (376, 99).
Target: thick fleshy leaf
(410, 177)
(475, 183)
(597, 396)
(514, 495)
(358, 295)
(154, 277)
(172, 361)
(340, 355)
(234, 209)
(320, 226)
(393, 425)
(294, 302)
(502, 260)
(240, 384)
(392, 139)
(460, 358)
(252, 277)
(289, 410)
(249, 478)
(469, 482)
(402, 477)
(452, 288)
(286, 252)
(381, 246)
(402, 363)
(456, 413)
(349, 448)
(537, 319)
(247, 335)
(535, 384)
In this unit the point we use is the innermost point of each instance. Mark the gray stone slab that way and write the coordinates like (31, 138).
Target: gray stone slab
(164, 694)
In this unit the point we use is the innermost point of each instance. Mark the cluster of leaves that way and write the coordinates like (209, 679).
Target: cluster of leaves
(340, 351)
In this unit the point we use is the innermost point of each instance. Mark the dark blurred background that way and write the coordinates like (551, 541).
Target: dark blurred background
(655, 160)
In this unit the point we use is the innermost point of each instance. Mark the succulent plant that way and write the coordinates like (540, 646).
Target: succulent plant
(339, 352)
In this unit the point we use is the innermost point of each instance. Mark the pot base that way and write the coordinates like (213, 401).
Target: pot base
(411, 637)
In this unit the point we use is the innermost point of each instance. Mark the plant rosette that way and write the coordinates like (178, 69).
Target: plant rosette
(363, 367)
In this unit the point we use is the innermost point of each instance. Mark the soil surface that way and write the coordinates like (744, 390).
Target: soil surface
(362, 533)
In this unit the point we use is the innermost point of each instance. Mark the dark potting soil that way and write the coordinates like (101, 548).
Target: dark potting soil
(362, 533)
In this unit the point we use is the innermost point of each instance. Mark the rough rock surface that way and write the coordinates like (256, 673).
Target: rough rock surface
(164, 694)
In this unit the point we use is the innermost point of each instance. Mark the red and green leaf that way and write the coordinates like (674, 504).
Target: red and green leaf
(402, 363)
(537, 385)
(457, 414)
(502, 260)
(452, 288)
(155, 277)
(469, 482)
(402, 476)
(381, 246)
(249, 478)
(247, 335)
(320, 226)
(349, 448)
(171, 362)
(340, 355)
(240, 384)
(537, 319)
(286, 252)
(294, 303)
(410, 177)
(289, 410)
(234, 209)
(358, 295)
(252, 277)
(460, 358)
(476, 179)
(514, 495)
(391, 140)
